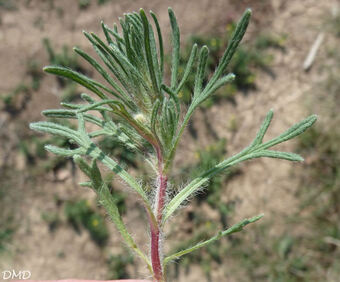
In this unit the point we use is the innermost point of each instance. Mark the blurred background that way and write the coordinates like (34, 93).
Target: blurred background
(54, 228)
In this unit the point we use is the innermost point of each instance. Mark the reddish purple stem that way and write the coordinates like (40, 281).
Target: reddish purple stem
(155, 258)
(156, 230)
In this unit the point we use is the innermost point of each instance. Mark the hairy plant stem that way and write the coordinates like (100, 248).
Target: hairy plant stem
(156, 231)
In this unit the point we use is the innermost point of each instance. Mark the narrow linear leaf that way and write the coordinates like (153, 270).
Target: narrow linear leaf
(65, 113)
(175, 38)
(114, 32)
(116, 168)
(173, 96)
(235, 228)
(99, 132)
(70, 105)
(56, 129)
(83, 165)
(64, 152)
(87, 98)
(231, 48)
(202, 64)
(155, 61)
(102, 102)
(86, 184)
(263, 129)
(77, 77)
(292, 132)
(188, 68)
(81, 126)
(127, 30)
(106, 33)
(279, 155)
(160, 42)
(219, 83)
(154, 116)
(149, 54)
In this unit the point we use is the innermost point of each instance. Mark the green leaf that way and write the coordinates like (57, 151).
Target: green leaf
(114, 32)
(106, 33)
(173, 96)
(235, 228)
(175, 38)
(77, 77)
(202, 64)
(160, 42)
(94, 106)
(83, 165)
(263, 129)
(292, 132)
(231, 48)
(278, 155)
(154, 116)
(150, 52)
(127, 30)
(66, 113)
(188, 68)
(219, 83)
(56, 129)
(64, 152)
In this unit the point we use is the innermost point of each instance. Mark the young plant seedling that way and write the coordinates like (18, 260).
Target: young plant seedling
(140, 110)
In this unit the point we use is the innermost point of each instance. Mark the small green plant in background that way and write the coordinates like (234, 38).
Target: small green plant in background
(117, 265)
(8, 223)
(80, 214)
(141, 111)
(16, 100)
(8, 5)
(7, 229)
(84, 4)
(34, 71)
(245, 60)
(52, 219)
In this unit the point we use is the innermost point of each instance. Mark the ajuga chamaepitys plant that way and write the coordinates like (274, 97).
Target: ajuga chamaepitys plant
(139, 109)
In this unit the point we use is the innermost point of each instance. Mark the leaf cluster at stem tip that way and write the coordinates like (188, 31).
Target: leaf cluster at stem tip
(136, 107)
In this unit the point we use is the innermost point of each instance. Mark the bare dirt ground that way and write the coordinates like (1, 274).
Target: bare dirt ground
(265, 186)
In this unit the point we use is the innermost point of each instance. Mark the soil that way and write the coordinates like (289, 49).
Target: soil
(266, 185)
